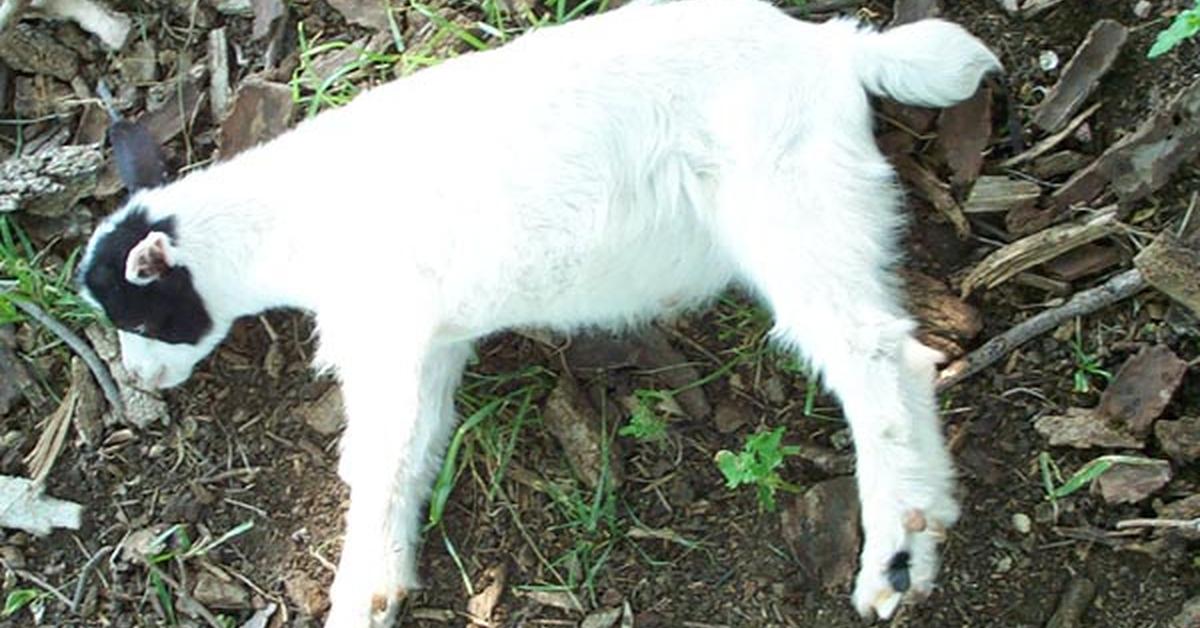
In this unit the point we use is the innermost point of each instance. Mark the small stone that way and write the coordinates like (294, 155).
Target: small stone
(1022, 523)
(238, 8)
(218, 593)
(13, 557)
(1048, 61)
(1082, 429)
(1142, 9)
(305, 593)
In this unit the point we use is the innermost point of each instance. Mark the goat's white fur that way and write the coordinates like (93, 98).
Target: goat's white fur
(598, 173)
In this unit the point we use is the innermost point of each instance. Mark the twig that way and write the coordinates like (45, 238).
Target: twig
(1116, 289)
(81, 584)
(1187, 524)
(26, 575)
(80, 347)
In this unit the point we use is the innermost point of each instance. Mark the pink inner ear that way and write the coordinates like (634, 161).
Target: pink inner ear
(148, 259)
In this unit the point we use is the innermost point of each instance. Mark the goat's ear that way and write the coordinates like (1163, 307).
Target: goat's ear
(149, 259)
(139, 158)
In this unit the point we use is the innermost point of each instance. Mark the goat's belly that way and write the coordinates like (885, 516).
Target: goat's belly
(615, 285)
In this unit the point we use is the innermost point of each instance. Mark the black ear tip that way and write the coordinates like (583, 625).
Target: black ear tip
(138, 156)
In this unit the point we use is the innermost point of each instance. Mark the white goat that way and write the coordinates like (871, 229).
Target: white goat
(598, 173)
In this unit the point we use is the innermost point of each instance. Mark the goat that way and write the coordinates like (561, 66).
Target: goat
(599, 173)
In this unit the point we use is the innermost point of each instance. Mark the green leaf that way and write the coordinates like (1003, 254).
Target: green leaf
(18, 599)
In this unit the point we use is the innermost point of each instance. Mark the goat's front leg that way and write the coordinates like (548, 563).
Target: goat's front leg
(398, 421)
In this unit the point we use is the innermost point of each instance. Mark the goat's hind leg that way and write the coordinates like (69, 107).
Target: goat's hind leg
(399, 421)
(823, 270)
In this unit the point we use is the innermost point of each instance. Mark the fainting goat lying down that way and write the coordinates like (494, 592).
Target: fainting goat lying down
(598, 173)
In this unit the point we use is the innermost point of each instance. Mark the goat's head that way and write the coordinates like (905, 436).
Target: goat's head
(133, 269)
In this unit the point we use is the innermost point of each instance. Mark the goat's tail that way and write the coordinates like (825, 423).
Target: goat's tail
(931, 63)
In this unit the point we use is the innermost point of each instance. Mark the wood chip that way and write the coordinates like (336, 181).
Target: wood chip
(1087, 260)
(261, 110)
(821, 528)
(1038, 248)
(218, 71)
(50, 183)
(482, 604)
(995, 194)
(908, 11)
(1141, 389)
(33, 51)
(1082, 75)
(265, 14)
(1127, 483)
(1179, 439)
(929, 187)
(1073, 605)
(1172, 266)
(365, 13)
(941, 313)
(24, 507)
(176, 114)
(590, 450)
(1054, 165)
(1083, 429)
(963, 134)
(1143, 161)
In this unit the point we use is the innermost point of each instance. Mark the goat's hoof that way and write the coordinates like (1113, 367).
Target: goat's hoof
(899, 562)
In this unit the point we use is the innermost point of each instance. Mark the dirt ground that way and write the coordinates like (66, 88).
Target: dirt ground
(673, 544)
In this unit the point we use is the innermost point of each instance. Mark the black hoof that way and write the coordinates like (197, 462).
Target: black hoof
(897, 573)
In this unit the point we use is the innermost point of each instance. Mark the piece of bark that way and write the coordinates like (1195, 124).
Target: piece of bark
(995, 194)
(33, 51)
(111, 27)
(1179, 439)
(1053, 286)
(1144, 160)
(908, 11)
(81, 406)
(1075, 601)
(1081, 76)
(40, 95)
(1115, 289)
(940, 312)
(218, 72)
(1126, 483)
(26, 508)
(673, 368)
(265, 14)
(582, 434)
(261, 110)
(366, 13)
(176, 114)
(913, 119)
(963, 134)
(1189, 615)
(222, 593)
(1039, 248)
(1058, 164)
(929, 187)
(49, 184)
(821, 528)
(1089, 259)
(1082, 428)
(1142, 388)
(1172, 266)
(482, 604)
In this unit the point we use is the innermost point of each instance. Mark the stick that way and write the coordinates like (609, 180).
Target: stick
(1187, 524)
(80, 347)
(1115, 289)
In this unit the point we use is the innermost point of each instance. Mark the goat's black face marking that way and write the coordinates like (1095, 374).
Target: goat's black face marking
(897, 573)
(167, 309)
